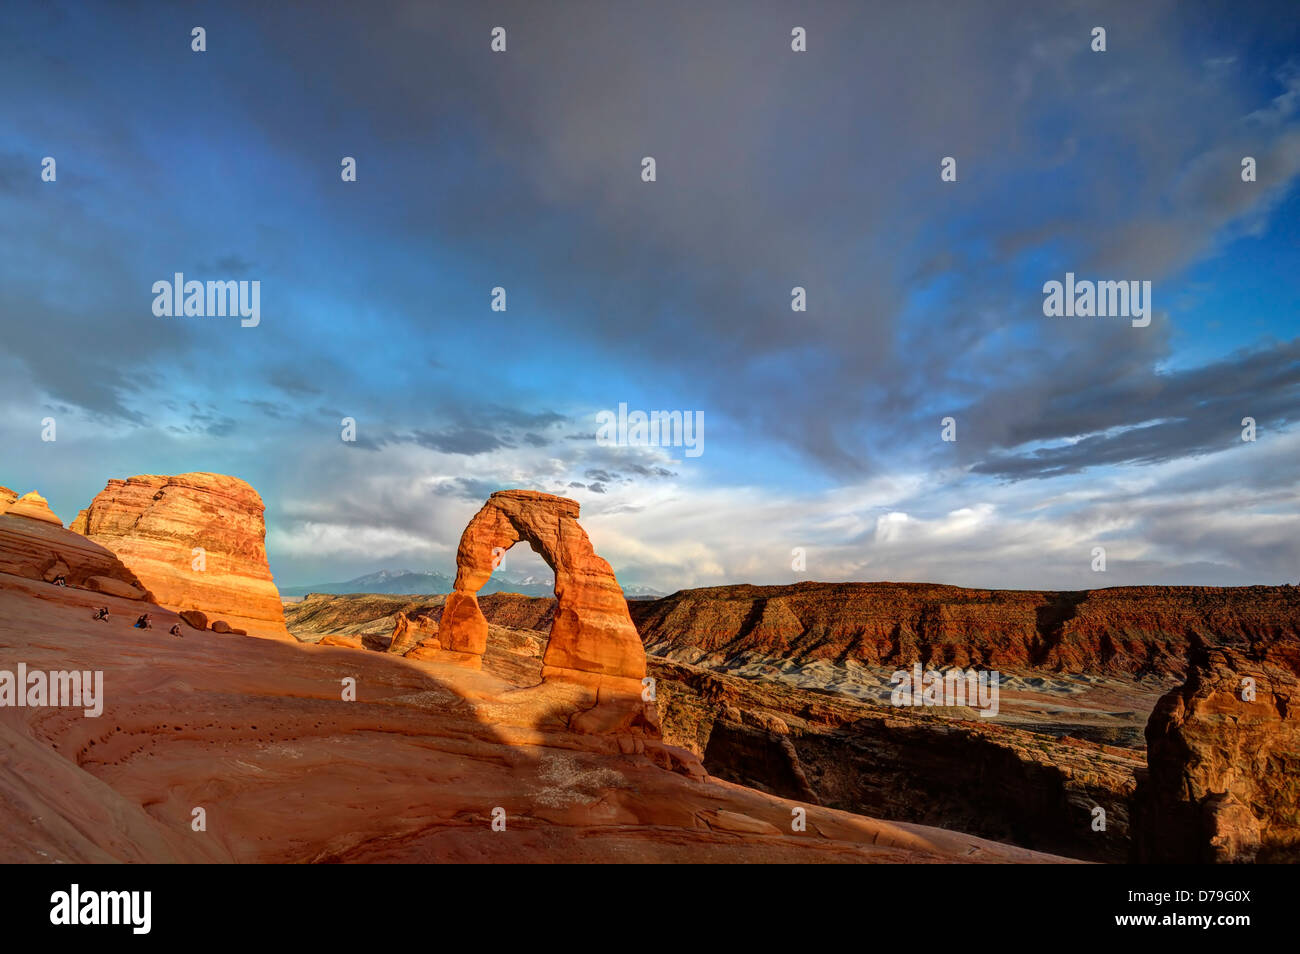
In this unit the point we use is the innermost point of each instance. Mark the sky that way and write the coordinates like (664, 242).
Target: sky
(822, 429)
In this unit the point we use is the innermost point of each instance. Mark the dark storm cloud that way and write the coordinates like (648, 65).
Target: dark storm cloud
(819, 170)
(775, 170)
(1156, 418)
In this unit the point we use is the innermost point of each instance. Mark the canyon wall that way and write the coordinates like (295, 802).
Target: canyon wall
(1123, 631)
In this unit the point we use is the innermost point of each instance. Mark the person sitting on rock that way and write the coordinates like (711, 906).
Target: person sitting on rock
(102, 613)
(176, 631)
(60, 580)
(143, 622)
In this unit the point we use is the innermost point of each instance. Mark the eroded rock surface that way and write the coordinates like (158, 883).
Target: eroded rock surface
(1128, 632)
(413, 770)
(43, 550)
(410, 632)
(32, 506)
(1223, 754)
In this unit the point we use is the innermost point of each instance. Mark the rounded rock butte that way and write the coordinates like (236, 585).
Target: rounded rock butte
(158, 525)
(593, 640)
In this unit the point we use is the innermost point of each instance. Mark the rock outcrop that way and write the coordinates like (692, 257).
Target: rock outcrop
(1131, 631)
(592, 639)
(409, 632)
(1223, 757)
(197, 541)
(34, 507)
(7, 497)
(35, 547)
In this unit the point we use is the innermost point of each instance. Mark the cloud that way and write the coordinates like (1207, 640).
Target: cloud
(1137, 419)
(775, 169)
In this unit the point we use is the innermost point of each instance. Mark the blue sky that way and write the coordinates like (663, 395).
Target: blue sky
(820, 169)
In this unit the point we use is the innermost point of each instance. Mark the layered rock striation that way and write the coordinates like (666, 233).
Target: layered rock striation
(1125, 631)
(196, 541)
(1223, 761)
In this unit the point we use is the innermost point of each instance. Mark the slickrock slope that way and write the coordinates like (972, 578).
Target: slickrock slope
(592, 639)
(154, 523)
(1223, 777)
(1224, 757)
(1125, 631)
(36, 549)
(258, 734)
(938, 767)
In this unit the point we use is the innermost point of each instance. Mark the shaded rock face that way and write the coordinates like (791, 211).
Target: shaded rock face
(992, 780)
(1223, 757)
(155, 523)
(592, 639)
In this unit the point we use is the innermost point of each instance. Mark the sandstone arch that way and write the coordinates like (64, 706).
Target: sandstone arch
(593, 640)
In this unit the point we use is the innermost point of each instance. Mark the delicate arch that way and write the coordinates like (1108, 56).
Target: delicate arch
(593, 634)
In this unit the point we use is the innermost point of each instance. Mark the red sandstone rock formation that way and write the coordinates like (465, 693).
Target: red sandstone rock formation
(33, 506)
(1223, 755)
(154, 523)
(1124, 631)
(408, 633)
(38, 548)
(592, 641)
(412, 770)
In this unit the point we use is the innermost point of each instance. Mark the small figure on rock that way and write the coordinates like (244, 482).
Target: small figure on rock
(60, 580)
(144, 622)
(176, 630)
(101, 613)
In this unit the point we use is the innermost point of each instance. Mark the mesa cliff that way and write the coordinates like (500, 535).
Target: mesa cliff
(1131, 632)
(197, 543)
